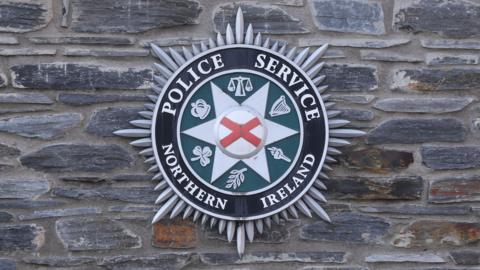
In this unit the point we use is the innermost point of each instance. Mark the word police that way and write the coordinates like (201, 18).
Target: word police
(204, 67)
(270, 64)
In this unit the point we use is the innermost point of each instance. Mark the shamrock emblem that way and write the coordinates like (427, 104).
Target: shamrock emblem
(202, 154)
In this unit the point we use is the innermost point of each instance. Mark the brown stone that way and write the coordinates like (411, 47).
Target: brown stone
(455, 190)
(376, 160)
(430, 233)
(176, 233)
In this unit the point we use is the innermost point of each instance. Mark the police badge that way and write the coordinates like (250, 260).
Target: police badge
(239, 133)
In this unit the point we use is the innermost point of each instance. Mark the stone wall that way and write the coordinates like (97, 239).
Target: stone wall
(73, 196)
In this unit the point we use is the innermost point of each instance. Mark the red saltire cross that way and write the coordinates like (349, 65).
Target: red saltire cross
(240, 131)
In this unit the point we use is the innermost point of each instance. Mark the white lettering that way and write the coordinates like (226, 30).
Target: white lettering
(311, 114)
(217, 61)
(184, 85)
(260, 63)
(189, 186)
(201, 69)
(222, 203)
(272, 65)
(289, 187)
(281, 193)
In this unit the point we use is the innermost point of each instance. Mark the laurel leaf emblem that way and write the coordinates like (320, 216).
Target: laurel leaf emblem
(236, 178)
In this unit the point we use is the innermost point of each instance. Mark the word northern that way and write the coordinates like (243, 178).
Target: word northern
(188, 185)
(270, 64)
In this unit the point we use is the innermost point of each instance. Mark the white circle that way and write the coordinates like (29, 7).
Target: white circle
(240, 132)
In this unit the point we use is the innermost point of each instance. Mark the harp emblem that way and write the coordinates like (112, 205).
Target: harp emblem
(279, 107)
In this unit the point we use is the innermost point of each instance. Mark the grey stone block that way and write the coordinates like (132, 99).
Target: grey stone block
(416, 209)
(19, 110)
(7, 151)
(264, 18)
(350, 78)
(5, 217)
(438, 59)
(7, 264)
(449, 18)
(334, 54)
(346, 267)
(422, 105)
(131, 177)
(25, 98)
(389, 57)
(172, 41)
(353, 99)
(404, 258)
(79, 99)
(451, 44)
(71, 76)
(465, 257)
(29, 204)
(272, 256)
(165, 261)
(356, 114)
(105, 121)
(116, 178)
(351, 16)
(65, 212)
(354, 43)
(83, 234)
(83, 179)
(27, 52)
(23, 188)
(413, 130)
(5, 40)
(347, 228)
(132, 208)
(427, 80)
(106, 52)
(77, 157)
(21, 16)
(295, 3)
(25, 237)
(84, 40)
(45, 127)
(57, 261)
(125, 194)
(375, 188)
(131, 16)
(450, 158)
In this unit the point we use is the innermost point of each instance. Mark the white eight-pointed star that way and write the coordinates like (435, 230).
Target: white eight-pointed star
(206, 132)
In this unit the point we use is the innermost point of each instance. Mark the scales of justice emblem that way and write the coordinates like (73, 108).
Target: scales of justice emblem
(239, 133)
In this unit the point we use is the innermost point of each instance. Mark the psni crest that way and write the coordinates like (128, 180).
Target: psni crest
(239, 144)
